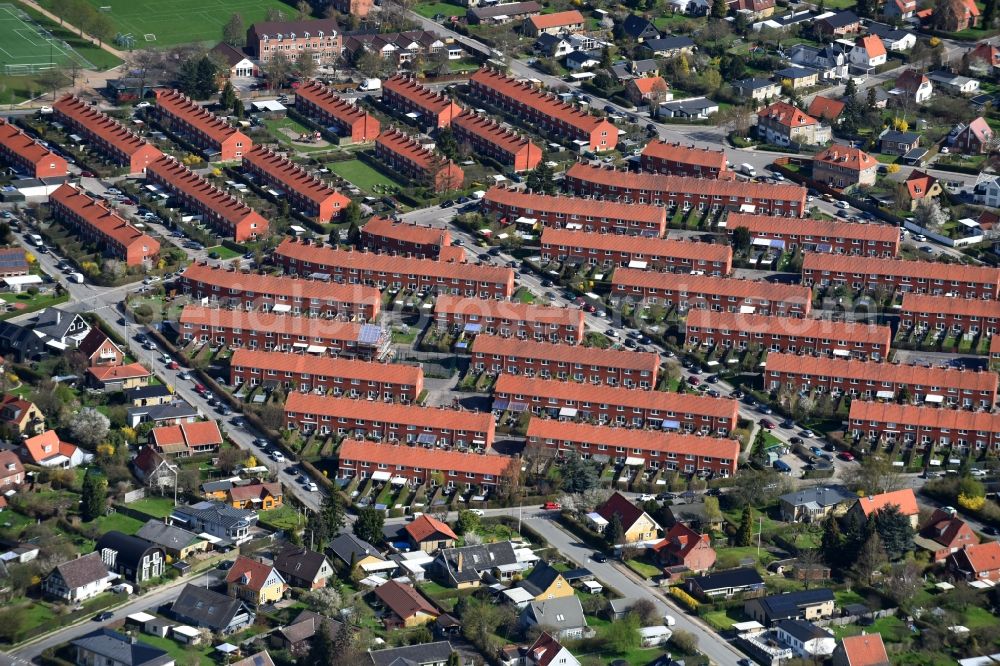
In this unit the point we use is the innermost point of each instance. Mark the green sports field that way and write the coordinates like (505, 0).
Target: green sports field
(27, 48)
(153, 23)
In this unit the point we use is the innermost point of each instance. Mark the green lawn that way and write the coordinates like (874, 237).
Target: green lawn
(432, 9)
(27, 303)
(120, 522)
(724, 619)
(364, 177)
(893, 629)
(224, 252)
(156, 507)
(284, 517)
(276, 125)
(201, 654)
(644, 569)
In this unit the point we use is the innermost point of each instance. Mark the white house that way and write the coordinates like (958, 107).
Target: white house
(954, 83)
(868, 52)
(805, 638)
(80, 579)
(696, 7)
(987, 191)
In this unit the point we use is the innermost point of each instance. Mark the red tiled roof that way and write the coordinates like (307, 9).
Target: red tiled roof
(209, 197)
(626, 510)
(709, 285)
(904, 499)
(257, 572)
(570, 354)
(986, 52)
(101, 125)
(386, 412)
(865, 650)
(190, 435)
(109, 373)
(648, 84)
(872, 45)
(980, 129)
(576, 209)
(432, 102)
(785, 114)
(403, 144)
(287, 286)
(680, 540)
(98, 215)
(844, 157)
(404, 600)
(180, 106)
(647, 440)
(929, 270)
(255, 491)
(362, 260)
(515, 385)
(918, 184)
(334, 105)
(982, 557)
(707, 187)
(417, 457)
(269, 322)
(675, 152)
(30, 150)
(838, 331)
(923, 417)
(818, 229)
(948, 530)
(406, 232)
(636, 245)
(545, 649)
(826, 108)
(47, 445)
(885, 372)
(911, 80)
(972, 7)
(491, 131)
(557, 19)
(508, 309)
(326, 366)
(294, 177)
(424, 527)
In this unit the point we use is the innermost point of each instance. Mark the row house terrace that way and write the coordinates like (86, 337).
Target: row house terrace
(222, 211)
(411, 159)
(101, 226)
(106, 135)
(271, 331)
(404, 95)
(543, 110)
(281, 294)
(674, 159)
(947, 313)
(207, 131)
(883, 381)
(686, 192)
(389, 422)
(616, 250)
(27, 155)
(611, 367)
(925, 426)
(351, 267)
(575, 214)
(689, 292)
(383, 234)
(307, 193)
(689, 454)
(490, 138)
(829, 236)
(891, 275)
(709, 328)
(509, 319)
(414, 465)
(351, 378)
(616, 406)
(316, 101)
(319, 37)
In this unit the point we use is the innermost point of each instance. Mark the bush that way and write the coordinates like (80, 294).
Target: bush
(685, 599)
(684, 641)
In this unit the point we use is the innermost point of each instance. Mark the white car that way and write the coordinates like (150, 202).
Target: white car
(312, 487)
(278, 457)
(143, 105)
(478, 512)
(843, 204)
(46, 110)
(647, 497)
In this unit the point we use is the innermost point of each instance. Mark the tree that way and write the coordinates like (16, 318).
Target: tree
(369, 524)
(322, 650)
(741, 238)
(234, 32)
(468, 522)
(305, 64)
(578, 475)
(713, 514)
(274, 14)
(540, 179)
(101, 27)
(12, 623)
(719, 9)
(895, 531)
(207, 78)
(902, 581)
(685, 641)
(303, 10)
(352, 213)
(948, 14)
(874, 475)
(832, 543)
(614, 531)
(228, 96)
(52, 80)
(623, 635)
(645, 610)
(328, 521)
(94, 496)
(870, 559)
(744, 533)
(277, 69)
(89, 427)
(239, 109)
(929, 214)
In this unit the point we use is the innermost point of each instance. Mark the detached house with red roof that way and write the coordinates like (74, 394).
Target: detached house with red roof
(962, 14)
(903, 499)
(20, 415)
(11, 471)
(945, 533)
(256, 496)
(984, 57)
(649, 90)
(913, 85)
(920, 186)
(868, 53)
(105, 134)
(637, 525)
(254, 582)
(99, 349)
(826, 109)
(429, 534)
(187, 439)
(307, 193)
(977, 562)
(975, 138)
(862, 650)
(901, 9)
(843, 167)
(27, 155)
(683, 547)
(47, 450)
(212, 134)
(118, 377)
(782, 124)
(556, 23)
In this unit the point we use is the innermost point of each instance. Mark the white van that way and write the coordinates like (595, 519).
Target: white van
(748, 169)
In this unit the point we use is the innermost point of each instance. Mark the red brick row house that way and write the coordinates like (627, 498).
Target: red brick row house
(509, 319)
(320, 37)
(340, 376)
(688, 292)
(925, 426)
(316, 101)
(922, 277)
(575, 214)
(317, 336)
(647, 448)
(225, 213)
(658, 254)
(873, 240)
(27, 155)
(418, 465)
(404, 95)
(98, 224)
(407, 156)
(884, 381)
(307, 193)
(674, 159)
(617, 406)
(709, 328)
(487, 137)
(389, 422)
(350, 267)
(685, 192)
(945, 533)
(204, 129)
(612, 367)
(543, 110)
(947, 313)
(316, 298)
(383, 234)
(105, 134)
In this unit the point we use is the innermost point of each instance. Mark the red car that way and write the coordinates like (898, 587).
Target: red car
(198, 388)
(552, 506)
(766, 425)
(846, 455)
(173, 365)
(694, 381)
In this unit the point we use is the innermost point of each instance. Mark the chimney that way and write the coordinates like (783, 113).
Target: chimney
(461, 559)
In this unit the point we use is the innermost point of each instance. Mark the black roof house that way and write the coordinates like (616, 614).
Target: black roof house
(203, 608)
(136, 559)
(726, 583)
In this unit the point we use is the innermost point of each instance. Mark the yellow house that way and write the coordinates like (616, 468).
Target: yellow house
(405, 606)
(637, 525)
(544, 583)
(258, 496)
(255, 582)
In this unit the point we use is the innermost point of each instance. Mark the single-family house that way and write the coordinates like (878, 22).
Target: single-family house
(954, 83)
(581, 60)
(757, 89)
(797, 77)
(830, 61)
(668, 47)
(304, 568)
(782, 124)
(429, 534)
(904, 499)
(868, 53)
(984, 58)
(257, 496)
(754, 10)
(230, 525)
(11, 471)
(255, 582)
(945, 533)
(977, 561)
(203, 608)
(987, 190)
(901, 9)
(651, 90)
(355, 553)
(894, 142)
(112, 378)
(683, 547)
(894, 39)
(552, 46)
(639, 28)
(47, 450)
(64, 330)
(105, 647)
(79, 579)
(814, 503)
(690, 7)
(21, 416)
(863, 650)
(726, 583)
(913, 86)
(545, 582)
(826, 109)
(959, 15)
(98, 349)
(468, 566)
(153, 470)
(131, 557)
(174, 413)
(145, 396)
(405, 606)
(839, 24)
(422, 654)
(843, 167)
(296, 636)
(553, 24)
(637, 525)
(176, 542)
(920, 186)
(562, 617)
(975, 138)
(814, 604)
(693, 108)
(547, 651)
(805, 638)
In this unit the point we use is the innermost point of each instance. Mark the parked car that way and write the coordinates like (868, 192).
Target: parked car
(601, 557)
(103, 617)
(846, 456)
(766, 425)
(552, 506)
